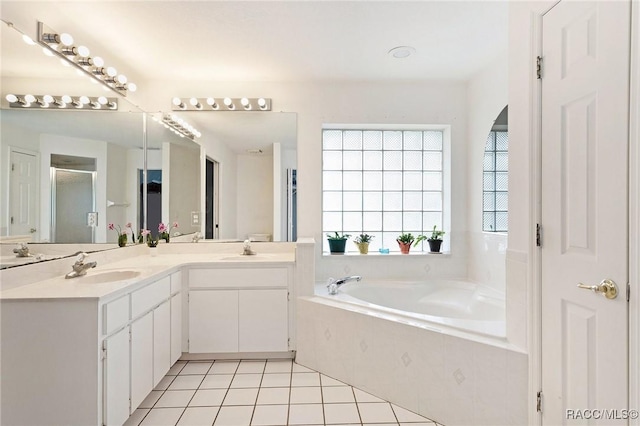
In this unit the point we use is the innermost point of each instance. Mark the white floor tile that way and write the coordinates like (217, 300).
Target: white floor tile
(136, 417)
(186, 382)
(175, 369)
(164, 383)
(334, 394)
(251, 367)
(246, 380)
(276, 380)
(178, 398)
(405, 416)
(376, 412)
(196, 367)
(297, 368)
(328, 381)
(305, 379)
(278, 366)
(216, 381)
(162, 417)
(241, 397)
(208, 398)
(151, 399)
(362, 396)
(198, 416)
(234, 416)
(306, 414)
(340, 413)
(273, 396)
(224, 367)
(272, 415)
(306, 395)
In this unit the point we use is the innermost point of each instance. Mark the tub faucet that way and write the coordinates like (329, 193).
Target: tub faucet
(22, 250)
(333, 284)
(79, 267)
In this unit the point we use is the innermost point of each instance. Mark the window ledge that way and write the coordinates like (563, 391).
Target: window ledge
(327, 254)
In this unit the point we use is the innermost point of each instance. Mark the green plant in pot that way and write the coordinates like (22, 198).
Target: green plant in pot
(435, 240)
(406, 240)
(362, 241)
(337, 242)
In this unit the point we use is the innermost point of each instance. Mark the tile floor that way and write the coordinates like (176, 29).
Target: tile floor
(273, 392)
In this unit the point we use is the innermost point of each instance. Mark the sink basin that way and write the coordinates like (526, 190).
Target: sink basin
(248, 257)
(107, 277)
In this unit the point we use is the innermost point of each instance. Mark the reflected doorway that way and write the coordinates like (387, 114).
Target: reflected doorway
(72, 199)
(211, 202)
(154, 200)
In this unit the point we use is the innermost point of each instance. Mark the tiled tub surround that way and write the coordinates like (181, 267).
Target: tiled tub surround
(453, 377)
(259, 392)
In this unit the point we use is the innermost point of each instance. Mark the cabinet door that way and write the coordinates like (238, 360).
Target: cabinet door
(141, 359)
(161, 341)
(213, 321)
(176, 328)
(263, 323)
(116, 378)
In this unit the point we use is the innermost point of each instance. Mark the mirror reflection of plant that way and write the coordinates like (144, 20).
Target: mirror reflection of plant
(151, 241)
(165, 233)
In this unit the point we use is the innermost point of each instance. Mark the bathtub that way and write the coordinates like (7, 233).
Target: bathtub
(460, 305)
(437, 348)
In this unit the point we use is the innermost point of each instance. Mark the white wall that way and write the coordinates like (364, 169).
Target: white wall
(254, 195)
(117, 189)
(487, 95)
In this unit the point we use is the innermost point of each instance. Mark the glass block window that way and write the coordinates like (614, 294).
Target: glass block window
(495, 182)
(383, 183)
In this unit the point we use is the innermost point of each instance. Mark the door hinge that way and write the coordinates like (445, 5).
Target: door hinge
(539, 402)
(13, 167)
(288, 298)
(628, 292)
(288, 342)
(538, 235)
(104, 354)
(12, 220)
(539, 67)
(129, 334)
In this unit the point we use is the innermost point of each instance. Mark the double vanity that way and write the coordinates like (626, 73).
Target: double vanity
(88, 350)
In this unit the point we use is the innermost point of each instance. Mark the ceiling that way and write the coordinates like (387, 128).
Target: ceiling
(265, 41)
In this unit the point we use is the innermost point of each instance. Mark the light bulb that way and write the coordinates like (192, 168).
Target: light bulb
(29, 98)
(11, 98)
(48, 99)
(47, 51)
(98, 61)
(102, 100)
(262, 103)
(244, 102)
(83, 51)
(122, 79)
(84, 100)
(112, 72)
(132, 87)
(28, 39)
(228, 101)
(176, 101)
(66, 39)
(67, 99)
(194, 102)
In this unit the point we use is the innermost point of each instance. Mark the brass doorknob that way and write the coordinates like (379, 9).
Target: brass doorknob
(607, 287)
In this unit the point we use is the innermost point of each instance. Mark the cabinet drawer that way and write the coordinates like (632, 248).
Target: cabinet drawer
(238, 278)
(116, 314)
(176, 282)
(146, 298)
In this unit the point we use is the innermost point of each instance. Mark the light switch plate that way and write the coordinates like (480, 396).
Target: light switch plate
(92, 219)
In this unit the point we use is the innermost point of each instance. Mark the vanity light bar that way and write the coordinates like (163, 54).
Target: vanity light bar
(179, 126)
(63, 46)
(221, 104)
(102, 103)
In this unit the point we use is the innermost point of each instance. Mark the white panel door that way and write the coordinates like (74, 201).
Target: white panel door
(141, 359)
(264, 324)
(23, 193)
(116, 378)
(213, 321)
(176, 327)
(161, 341)
(584, 208)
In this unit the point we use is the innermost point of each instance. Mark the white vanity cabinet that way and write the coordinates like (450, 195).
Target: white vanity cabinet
(239, 310)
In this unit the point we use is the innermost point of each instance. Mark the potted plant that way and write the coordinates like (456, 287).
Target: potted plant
(337, 242)
(362, 241)
(406, 240)
(435, 241)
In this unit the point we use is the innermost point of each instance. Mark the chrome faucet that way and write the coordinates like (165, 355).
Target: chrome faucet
(22, 250)
(246, 249)
(79, 267)
(333, 284)
(196, 237)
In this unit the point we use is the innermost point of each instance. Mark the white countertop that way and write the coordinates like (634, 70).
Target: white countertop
(145, 267)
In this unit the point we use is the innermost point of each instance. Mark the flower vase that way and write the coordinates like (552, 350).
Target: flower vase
(363, 248)
(166, 237)
(122, 240)
(153, 251)
(404, 247)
